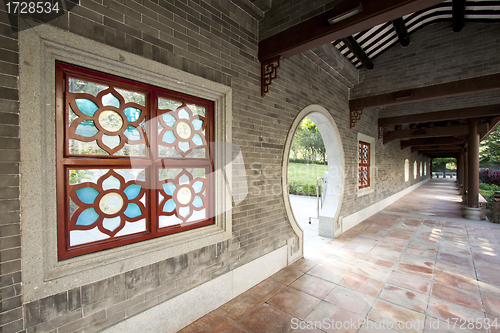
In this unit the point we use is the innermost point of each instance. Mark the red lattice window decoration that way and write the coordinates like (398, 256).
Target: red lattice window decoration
(133, 161)
(364, 164)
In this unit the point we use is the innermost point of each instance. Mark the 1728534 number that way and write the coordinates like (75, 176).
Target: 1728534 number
(32, 7)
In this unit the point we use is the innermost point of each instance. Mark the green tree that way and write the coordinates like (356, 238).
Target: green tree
(444, 163)
(307, 142)
(489, 148)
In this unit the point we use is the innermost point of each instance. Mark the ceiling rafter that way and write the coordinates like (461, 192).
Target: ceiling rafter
(458, 14)
(431, 142)
(351, 43)
(433, 132)
(463, 113)
(403, 36)
(454, 88)
(317, 31)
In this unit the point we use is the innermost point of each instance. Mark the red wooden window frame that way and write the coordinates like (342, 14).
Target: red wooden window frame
(152, 162)
(364, 166)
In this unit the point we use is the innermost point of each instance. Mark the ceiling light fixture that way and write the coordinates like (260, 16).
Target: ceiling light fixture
(344, 11)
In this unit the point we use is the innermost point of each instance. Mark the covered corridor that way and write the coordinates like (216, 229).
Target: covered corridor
(417, 266)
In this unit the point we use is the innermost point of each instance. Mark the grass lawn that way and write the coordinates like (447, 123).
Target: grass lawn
(305, 173)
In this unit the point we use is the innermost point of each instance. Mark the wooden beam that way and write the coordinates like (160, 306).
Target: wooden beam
(351, 43)
(464, 113)
(455, 88)
(431, 142)
(432, 132)
(458, 12)
(316, 31)
(404, 37)
(435, 148)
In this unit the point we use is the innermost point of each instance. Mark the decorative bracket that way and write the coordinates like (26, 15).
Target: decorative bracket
(355, 116)
(381, 131)
(268, 72)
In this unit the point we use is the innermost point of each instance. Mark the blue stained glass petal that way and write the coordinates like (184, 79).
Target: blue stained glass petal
(197, 124)
(169, 188)
(197, 186)
(197, 202)
(184, 146)
(132, 114)
(132, 210)
(168, 119)
(86, 106)
(197, 140)
(86, 128)
(87, 217)
(111, 100)
(111, 224)
(169, 137)
(87, 195)
(183, 114)
(132, 133)
(132, 191)
(169, 206)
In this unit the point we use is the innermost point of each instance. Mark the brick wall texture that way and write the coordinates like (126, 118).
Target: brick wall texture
(217, 40)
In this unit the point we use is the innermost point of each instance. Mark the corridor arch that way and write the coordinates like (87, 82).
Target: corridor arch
(329, 214)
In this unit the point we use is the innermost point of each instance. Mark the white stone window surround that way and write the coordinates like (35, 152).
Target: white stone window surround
(415, 170)
(407, 170)
(373, 168)
(39, 48)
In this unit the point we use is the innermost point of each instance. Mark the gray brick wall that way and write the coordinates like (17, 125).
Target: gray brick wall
(11, 316)
(216, 40)
(287, 13)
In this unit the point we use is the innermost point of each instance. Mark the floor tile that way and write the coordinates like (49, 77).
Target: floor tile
(351, 300)
(434, 325)
(456, 296)
(493, 323)
(215, 321)
(240, 306)
(405, 298)
(362, 284)
(411, 282)
(455, 269)
(403, 319)
(339, 262)
(491, 306)
(328, 273)
(489, 290)
(383, 262)
(372, 271)
(454, 259)
(335, 319)
(267, 318)
(445, 310)
(488, 273)
(421, 253)
(294, 302)
(304, 265)
(235, 329)
(267, 289)
(287, 275)
(457, 281)
(417, 270)
(313, 286)
(417, 260)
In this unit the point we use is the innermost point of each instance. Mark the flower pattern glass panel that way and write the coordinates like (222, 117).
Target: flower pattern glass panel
(181, 129)
(107, 123)
(133, 161)
(104, 202)
(364, 164)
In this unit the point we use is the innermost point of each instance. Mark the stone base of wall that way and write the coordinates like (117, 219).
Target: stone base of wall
(174, 314)
(352, 220)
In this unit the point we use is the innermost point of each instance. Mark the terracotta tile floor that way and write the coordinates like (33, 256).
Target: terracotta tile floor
(390, 273)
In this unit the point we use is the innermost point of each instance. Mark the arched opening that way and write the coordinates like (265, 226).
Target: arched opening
(328, 222)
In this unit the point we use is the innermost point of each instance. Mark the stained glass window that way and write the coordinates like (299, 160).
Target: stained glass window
(364, 164)
(133, 161)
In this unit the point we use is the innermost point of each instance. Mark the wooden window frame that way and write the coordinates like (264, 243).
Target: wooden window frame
(364, 165)
(151, 162)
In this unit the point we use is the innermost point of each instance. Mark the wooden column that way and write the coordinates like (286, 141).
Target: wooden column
(461, 172)
(466, 172)
(473, 165)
